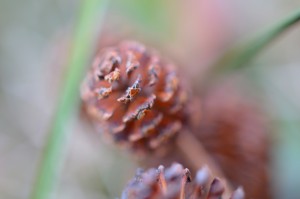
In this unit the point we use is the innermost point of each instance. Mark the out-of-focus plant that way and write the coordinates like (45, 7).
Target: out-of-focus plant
(240, 55)
(152, 18)
(91, 11)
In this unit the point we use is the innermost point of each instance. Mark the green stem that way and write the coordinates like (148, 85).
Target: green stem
(239, 56)
(52, 158)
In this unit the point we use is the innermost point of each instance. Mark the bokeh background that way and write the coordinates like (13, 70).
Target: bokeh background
(34, 43)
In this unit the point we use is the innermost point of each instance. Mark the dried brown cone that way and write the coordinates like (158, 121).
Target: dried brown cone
(135, 95)
(234, 131)
(176, 182)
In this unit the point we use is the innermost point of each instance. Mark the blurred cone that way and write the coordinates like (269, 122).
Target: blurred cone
(233, 131)
(176, 182)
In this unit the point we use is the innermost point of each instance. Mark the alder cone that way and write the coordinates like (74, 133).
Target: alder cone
(135, 95)
(234, 130)
(176, 182)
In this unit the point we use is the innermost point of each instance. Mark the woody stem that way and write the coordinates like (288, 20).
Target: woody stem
(198, 157)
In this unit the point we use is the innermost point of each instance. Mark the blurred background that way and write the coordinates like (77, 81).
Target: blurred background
(34, 42)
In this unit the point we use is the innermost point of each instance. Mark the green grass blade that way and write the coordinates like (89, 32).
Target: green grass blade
(239, 56)
(52, 158)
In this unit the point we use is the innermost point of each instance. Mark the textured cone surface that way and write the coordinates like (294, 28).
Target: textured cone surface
(234, 131)
(176, 182)
(135, 95)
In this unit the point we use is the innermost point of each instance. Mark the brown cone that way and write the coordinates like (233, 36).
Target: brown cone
(135, 95)
(176, 182)
(233, 131)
